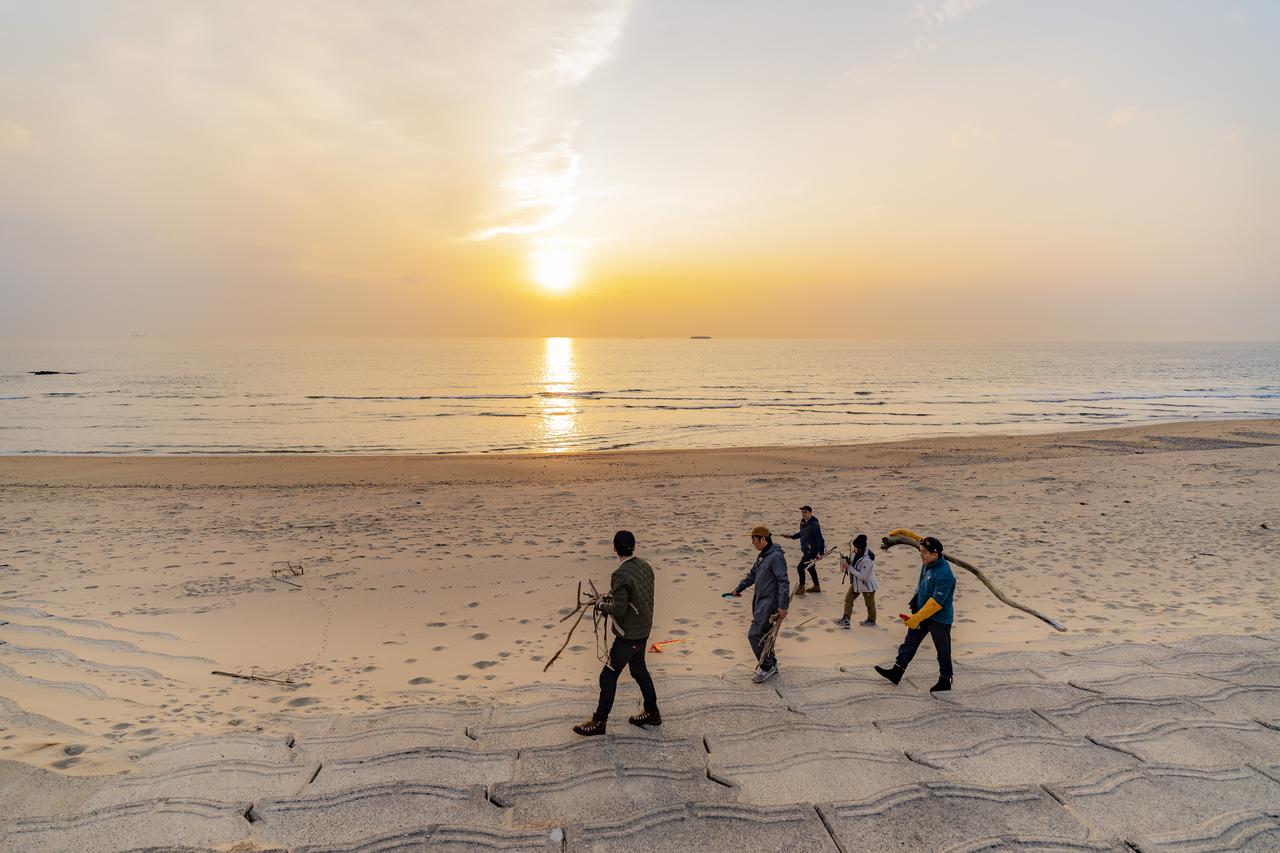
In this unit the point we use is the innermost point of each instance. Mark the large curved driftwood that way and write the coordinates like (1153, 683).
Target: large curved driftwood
(897, 538)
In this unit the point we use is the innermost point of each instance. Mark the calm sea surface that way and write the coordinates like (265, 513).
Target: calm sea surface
(146, 396)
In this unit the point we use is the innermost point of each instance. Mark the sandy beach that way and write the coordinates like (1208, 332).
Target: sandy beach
(124, 582)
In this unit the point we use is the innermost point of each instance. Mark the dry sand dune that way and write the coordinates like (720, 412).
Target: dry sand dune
(125, 582)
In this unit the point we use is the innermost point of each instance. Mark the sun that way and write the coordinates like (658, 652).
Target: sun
(555, 270)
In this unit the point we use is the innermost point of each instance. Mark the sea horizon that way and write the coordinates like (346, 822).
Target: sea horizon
(391, 396)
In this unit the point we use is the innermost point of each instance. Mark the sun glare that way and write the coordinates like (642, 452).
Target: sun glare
(554, 270)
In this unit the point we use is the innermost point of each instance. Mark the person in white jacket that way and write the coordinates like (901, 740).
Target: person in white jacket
(861, 568)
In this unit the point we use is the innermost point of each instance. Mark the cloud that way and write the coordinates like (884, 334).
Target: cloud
(541, 164)
(13, 136)
(1120, 117)
(249, 146)
(937, 12)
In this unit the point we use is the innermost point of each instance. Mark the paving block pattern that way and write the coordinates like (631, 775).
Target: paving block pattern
(1165, 798)
(780, 764)
(154, 823)
(1115, 747)
(1026, 759)
(1118, 714)
(941, 815)
(626, 790)
(354, 814)
(1200, 743)
(701, 826)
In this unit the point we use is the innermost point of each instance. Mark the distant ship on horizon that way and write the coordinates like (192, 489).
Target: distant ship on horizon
(699, 337)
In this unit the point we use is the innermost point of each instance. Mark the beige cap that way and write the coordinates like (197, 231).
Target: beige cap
(760, 530)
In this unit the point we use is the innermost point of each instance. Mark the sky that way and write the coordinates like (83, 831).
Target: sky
(946, 169)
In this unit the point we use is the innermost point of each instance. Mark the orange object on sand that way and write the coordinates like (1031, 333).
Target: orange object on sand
(657, 647)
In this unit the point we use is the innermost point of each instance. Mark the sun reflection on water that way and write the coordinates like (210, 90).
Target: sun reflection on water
(559, 376)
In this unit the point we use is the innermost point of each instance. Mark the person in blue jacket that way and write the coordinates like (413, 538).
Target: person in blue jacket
(932, 615)
(769, 576)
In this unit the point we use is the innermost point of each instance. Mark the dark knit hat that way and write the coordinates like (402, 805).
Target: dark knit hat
(860, 541)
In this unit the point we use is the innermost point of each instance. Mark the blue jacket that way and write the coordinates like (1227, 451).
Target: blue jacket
(772, 581)
(810, 536)
(936, 582)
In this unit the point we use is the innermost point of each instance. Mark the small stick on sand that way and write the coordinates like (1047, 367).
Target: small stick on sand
(902, 536)
(253, 677)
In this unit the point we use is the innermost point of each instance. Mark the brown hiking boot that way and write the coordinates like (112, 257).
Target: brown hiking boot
(799, 590)
(815, 587)
(645, 719)
(590, 728)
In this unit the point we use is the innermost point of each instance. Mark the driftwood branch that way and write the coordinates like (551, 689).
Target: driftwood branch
(582, 611)
(253, 677)
(897, 539)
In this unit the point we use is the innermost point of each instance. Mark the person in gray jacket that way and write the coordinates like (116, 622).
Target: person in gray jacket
(769, 605)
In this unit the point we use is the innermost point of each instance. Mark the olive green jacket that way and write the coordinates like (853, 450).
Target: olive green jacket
(631, 599)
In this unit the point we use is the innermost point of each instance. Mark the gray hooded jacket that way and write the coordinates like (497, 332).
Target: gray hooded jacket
(772, 582)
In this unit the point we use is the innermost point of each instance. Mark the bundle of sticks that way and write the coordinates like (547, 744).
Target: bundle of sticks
(585, 601)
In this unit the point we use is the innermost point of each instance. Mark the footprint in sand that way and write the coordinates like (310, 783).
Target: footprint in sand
(480, 636)
(422, 679)
(303, 701)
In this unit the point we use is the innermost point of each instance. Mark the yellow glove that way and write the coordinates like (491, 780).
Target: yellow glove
(930, 607)
(902, 531)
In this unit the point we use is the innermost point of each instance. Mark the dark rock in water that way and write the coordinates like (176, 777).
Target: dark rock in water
(53, 372)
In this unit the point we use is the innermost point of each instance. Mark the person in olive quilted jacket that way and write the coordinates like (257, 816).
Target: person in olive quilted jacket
(630, 603)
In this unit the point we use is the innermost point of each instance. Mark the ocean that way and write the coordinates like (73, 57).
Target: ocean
(459, 395)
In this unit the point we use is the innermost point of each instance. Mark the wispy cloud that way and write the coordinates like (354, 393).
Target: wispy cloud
(1120, 117)
(541, 164)
(944, 11)
(13, 136)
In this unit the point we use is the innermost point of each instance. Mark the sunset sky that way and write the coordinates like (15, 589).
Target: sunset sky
(954, 169)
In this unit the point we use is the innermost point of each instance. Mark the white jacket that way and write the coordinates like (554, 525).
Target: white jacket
(862, 574)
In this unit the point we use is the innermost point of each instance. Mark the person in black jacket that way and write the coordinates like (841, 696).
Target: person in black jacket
(812, 547)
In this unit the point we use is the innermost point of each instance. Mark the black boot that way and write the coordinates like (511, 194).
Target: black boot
(894, 673)
(943, 684)
(590, 728)
(646, 718)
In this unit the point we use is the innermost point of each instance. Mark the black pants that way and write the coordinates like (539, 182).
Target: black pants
(813, 571)
(941, 641)
(628, 653)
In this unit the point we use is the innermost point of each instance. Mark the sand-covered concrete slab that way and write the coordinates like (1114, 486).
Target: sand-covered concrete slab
(355, 813)
(433, 764)
(262, 749)
(1159, 798)
(1242, 702)
(1199, 743)
(708, 826)
(1025, 759)
(448, 839)
(228, 781)
(1014, 696)
(27, 791)
(943, 815)
(163, 824)
(588, 755)
(586, 796)
(1250, 831)
(951, 725)
(779, 764)
(1151, 685)
(1118, 713)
